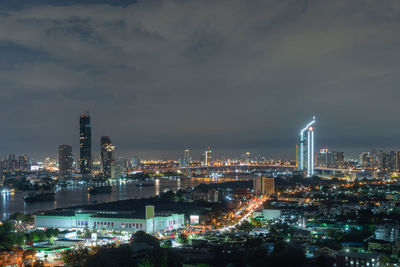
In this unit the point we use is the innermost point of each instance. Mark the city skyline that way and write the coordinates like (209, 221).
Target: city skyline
(299, 59)
(207, 133)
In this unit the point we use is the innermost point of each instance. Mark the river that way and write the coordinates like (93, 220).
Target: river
(78, 195)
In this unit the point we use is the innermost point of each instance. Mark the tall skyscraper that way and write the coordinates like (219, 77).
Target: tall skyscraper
(106, 154)
(338, 159)
(324, 158)
(23, 162)
(247, 157)
(306, 149)
(186, 155)
(135, 162)
(65, 161)
(207, 157)
(365, 159)
(387, 161)
(398, 161)
(185, 161)
(85, 145)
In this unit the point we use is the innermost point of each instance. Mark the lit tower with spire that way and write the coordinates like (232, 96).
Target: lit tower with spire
(306, 149)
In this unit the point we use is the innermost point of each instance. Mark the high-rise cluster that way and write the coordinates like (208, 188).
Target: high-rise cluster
(383, 161)
(330, 159)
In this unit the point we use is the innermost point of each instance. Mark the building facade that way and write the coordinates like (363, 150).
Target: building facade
(111, 220)
(306, 149)
(106, 155)
(207, 157)
(65, 161)
(263, 185)
(85, 145)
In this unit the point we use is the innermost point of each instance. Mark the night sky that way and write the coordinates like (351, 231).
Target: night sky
(161, 76)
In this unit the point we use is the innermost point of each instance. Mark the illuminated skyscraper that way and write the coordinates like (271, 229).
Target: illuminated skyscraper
(185, 161)
(85, 145)
(324, 158)
(135, 162)
(106, 154)
(186, 154)
(207, 157)
(23, 162)
(306, 148)
(64, 161)
(247, 157)
(365, 159)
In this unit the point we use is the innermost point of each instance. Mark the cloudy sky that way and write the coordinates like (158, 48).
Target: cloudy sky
(160, 76)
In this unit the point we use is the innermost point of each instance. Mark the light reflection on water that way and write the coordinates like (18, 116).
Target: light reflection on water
(78, 195)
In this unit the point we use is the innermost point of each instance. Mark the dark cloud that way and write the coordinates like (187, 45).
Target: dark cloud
(160, 76)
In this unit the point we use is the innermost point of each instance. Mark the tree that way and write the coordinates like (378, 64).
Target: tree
(246, 227)
(7, 234)
(52, 232)
(169, 195)
(182, 239)
(145, 263)
(167, 244)
(37, 235)
(76, 257)
(141, 236)
(7, 227)
(111, 256)
(180, 195)
(18, 216)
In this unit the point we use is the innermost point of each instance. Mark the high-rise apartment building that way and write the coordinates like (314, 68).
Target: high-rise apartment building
(365, 159)
(324, 158)
(135, 162)
(185, 161)
(247, 157)
(106, 154)
(387, 161)
(23, 162)
(264, 185)
(338, 159)
(207, 157)
(85, 145)
(65, 161)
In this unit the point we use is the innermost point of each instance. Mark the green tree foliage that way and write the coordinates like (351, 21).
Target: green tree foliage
(182, 239)
(119, 256)
(18, 216)
(7, 234)
(37, 235)
(160, 257)
(142, 237)
(246, 227)
(167, 244)
(169, 196)
(180, 195)
(52, 232)
(77, 257)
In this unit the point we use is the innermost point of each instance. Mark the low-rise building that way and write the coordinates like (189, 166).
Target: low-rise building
(110, 220)
(360, 259)
(380, 246)
(12, 257)
(210, 195)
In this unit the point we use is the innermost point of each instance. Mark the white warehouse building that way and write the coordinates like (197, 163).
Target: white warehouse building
(110, 220)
